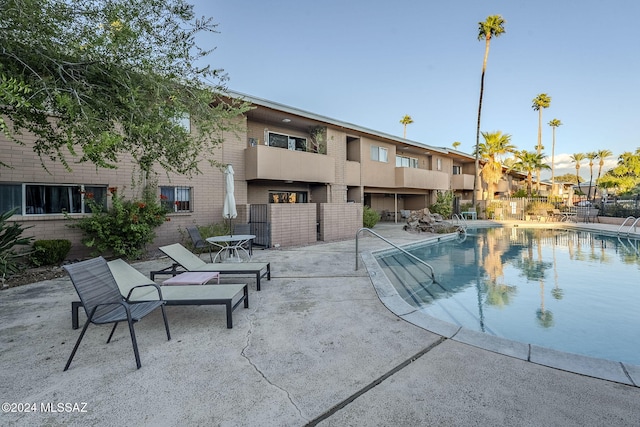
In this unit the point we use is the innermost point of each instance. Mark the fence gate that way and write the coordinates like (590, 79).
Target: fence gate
(259, 225)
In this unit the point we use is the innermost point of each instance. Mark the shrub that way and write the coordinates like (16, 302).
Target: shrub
(217, 229)
(535, 206)
(443, 204)
(126, 228)
(11, 236)
(369, 217)
(50, 252)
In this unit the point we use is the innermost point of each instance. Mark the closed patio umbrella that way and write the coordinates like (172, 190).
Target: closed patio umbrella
(229, 207)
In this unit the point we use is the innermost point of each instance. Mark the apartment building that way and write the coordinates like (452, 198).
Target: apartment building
(299, 178)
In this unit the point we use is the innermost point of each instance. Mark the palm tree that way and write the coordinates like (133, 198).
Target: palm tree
(554, 124)
(527, 161)
(406, 120)
(495, 146)
(492, 27)
(591, 156)
(577, 158)
(539, 103)
(456, 144)
(602, 154)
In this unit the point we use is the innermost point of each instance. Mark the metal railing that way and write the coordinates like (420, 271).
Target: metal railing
(460, 219)
(631, 227)
(433, 276)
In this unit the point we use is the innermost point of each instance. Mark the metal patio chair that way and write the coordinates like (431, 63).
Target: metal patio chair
(199, 244)
(244, 229)
(103, 303)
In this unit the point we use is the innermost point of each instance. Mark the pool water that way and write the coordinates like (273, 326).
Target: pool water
(569, 290)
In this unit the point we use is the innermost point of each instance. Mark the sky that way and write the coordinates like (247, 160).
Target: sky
(371, 62)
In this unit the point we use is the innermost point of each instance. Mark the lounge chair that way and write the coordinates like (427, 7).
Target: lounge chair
(131, 282)
(189, 262)
(103, 302)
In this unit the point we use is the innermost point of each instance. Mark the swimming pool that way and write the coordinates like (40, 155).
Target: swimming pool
(568, 290)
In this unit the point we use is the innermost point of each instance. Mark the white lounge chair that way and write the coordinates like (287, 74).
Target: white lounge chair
(190, 262)
(128, 279)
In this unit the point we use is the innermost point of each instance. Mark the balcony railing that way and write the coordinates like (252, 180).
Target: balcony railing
(462, 182)
(264, 162)
(422, 179)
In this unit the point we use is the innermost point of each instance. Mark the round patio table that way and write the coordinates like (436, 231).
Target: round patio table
(231, 246)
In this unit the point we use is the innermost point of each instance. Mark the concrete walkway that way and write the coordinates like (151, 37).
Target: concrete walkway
(316, 346)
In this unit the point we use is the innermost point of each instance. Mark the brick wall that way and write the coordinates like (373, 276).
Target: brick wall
(339, 221)
(292, 224)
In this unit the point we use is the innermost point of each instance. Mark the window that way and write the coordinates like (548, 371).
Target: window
(379, 154)
(286, 141)
(439, 164)
(287, 197)
(457, 170)
(10, 197)
(406, 162)
(51, 199)
(176, 199)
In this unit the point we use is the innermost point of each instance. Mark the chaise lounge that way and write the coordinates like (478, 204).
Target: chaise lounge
(189, 262)
(128, 278)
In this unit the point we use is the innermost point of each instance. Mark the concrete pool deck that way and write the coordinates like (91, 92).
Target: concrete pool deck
(316, 346)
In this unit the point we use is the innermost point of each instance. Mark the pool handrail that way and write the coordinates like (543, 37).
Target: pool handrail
(433, 276)
(632, 226)
(460, 219)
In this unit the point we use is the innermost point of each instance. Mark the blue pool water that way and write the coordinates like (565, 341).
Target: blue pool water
(572, 291)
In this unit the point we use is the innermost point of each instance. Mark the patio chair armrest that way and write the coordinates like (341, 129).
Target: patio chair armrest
(144, 286)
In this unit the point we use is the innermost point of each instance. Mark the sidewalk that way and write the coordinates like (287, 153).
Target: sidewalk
(316, 346)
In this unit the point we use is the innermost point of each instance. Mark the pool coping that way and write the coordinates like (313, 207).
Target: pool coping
(620, 372)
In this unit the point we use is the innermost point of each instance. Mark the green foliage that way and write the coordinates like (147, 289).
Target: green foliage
(210, 230)
(318, 139)
(620, 210)
(126, 228)
(466, 207)
(537, 206)
(11, 236)
(369, 217)
(568, 177)
(50, 252)
(443, 204)
(625, 177)
(119, 77)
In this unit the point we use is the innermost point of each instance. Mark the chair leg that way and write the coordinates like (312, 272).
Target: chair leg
(112, 331)
(166, 324)
(135, 343)
(75, 348)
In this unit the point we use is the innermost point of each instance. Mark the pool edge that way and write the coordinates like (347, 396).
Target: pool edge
(619, 372)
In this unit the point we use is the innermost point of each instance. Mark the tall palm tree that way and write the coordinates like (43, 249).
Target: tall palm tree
(540, 102)
(577, 158)
(554, 124)
(406, 120)
(495, 145)
(493, 26)
(591, 156)
(602, 154)
(527, 161)
(456, 144)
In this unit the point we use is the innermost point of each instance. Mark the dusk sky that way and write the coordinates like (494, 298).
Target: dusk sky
(370, 63)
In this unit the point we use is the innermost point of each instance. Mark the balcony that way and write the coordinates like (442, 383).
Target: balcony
(421, 179)
(462, 182)
(264, 162)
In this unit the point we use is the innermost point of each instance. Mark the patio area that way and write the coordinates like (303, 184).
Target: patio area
(316, 346)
